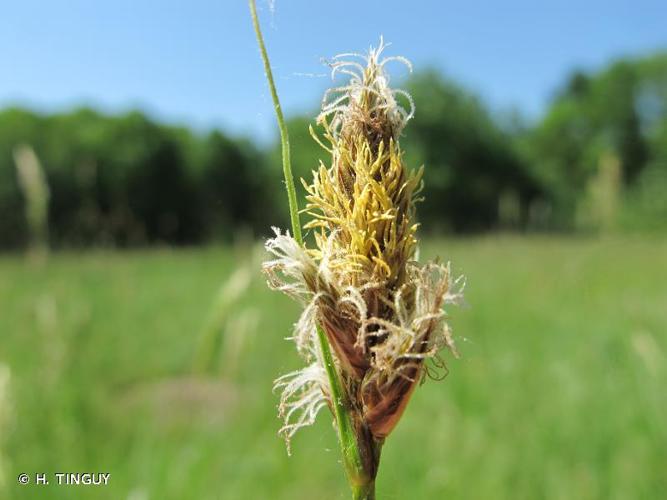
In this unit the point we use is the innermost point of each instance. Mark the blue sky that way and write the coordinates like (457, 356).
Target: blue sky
(195, 62)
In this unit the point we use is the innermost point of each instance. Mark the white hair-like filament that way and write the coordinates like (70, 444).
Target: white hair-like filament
(343, 106)
(303, 394)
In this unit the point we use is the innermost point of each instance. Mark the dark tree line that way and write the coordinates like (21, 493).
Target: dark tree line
(598, 158)
(126, 180)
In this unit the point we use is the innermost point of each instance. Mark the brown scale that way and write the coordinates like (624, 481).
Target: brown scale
(384, 405)
(385, 402)
(341, 331)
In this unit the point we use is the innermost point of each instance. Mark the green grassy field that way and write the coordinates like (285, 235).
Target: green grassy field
(560, 393)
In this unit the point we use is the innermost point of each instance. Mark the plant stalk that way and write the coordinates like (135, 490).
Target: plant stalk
(355, 466)
(284, 136)
(359, 467)
(364, 491)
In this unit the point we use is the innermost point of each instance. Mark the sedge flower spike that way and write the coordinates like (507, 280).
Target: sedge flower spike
(381, 310)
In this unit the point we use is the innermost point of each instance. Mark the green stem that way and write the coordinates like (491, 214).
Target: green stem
(363, 486)
(284, 137)
(352, 458)
(364, 491)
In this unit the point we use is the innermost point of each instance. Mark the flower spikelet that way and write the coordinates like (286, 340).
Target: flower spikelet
(382, 312)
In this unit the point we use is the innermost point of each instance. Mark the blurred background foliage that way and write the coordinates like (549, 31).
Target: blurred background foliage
(596, 161)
